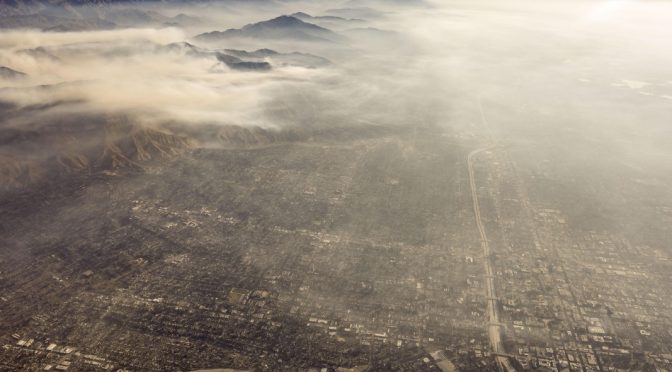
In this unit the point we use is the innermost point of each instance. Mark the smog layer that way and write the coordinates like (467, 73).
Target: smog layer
(373, 185)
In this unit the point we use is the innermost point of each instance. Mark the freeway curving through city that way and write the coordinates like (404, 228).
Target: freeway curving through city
(494, 326)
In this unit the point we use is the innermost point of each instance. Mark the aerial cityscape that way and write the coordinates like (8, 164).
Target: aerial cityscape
(351, 185)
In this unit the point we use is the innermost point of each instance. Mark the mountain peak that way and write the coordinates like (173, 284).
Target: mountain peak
(281, 21)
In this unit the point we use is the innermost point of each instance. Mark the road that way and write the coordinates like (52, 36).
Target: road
(494, 326)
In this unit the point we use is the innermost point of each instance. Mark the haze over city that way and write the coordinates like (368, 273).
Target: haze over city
(352, 185)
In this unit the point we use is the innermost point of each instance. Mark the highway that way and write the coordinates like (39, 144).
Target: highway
(494, 326)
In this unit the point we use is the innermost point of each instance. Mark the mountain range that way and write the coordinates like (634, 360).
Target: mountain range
(280, 59)
(261, 59)
(283, 27)
(82, 145)
(62, 16)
